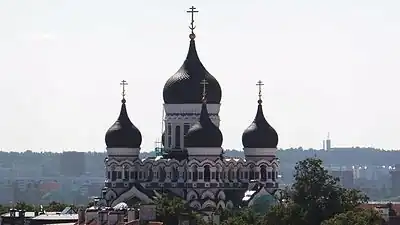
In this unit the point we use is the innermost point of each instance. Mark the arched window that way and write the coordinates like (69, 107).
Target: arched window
(178, 136)
(263, 173)
(162, 174)
(207, 173)
(175, 174)
(195, 175)
(251, 174)
(150, 174)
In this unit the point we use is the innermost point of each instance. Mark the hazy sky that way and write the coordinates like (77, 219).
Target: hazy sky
(328, 66)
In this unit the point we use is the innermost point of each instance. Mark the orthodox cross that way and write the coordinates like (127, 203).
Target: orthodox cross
(192, 11)
(204, 83)
(259, 84)
(123, 84)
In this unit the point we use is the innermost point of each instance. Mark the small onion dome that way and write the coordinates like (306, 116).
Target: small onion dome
(183, 87)
(260, 134)
(123, 134)
(204, 133)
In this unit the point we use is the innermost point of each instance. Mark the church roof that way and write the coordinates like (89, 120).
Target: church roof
(183, 86)
(204, 133)
(260, 134)
(123, 133)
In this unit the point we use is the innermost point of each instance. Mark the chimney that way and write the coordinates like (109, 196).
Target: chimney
(81, 216)
(91, 214)
(121, 216)
(131, 215)
(21, 214)
(116, 217)
(112, 217)
(102, 216)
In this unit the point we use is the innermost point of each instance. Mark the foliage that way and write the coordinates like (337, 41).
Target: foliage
(356, 217)
(285, 214)
(57, 207)
(314, 197)
(244, 216)
(51, 207)
(170, 209)
(25, 206)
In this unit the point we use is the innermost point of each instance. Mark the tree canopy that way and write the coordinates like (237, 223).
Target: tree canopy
(315, 198)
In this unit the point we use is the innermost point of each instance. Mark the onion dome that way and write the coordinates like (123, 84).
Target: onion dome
(260, 134)
(123, 134)
(204, 133)
(183, 87)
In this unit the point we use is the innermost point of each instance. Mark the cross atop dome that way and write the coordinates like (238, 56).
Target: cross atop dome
(192, 26)
(204, 83)
(123, 84)
(259, 84)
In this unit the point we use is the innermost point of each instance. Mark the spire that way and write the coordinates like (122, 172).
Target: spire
(204, 83)
(183, 87)
(259, 84)
(204, 117)
(260, 134)
(192, 11)
(123, 134)
(204, 133)
(123, 84)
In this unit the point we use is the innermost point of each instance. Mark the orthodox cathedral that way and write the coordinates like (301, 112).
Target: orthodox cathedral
(193, 166)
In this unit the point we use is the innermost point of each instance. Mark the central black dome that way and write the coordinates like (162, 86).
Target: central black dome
(204, 133)
(183, 87)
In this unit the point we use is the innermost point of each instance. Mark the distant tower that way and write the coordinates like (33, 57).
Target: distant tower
(328, 143)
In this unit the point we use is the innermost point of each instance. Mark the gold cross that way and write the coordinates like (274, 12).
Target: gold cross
(259, 84)
(192, 11)
(123, 84)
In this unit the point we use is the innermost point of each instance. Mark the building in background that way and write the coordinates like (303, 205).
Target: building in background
(345, 175)
(72, 164)
(395, 180)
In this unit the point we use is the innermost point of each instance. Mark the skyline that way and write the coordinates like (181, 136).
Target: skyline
(327, 67)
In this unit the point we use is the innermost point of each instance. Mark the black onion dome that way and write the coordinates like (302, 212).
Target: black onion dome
(204, 133)
(123, 134)
(183, 87)
(260, 134)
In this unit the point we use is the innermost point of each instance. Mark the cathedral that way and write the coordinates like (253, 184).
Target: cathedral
(193, 165)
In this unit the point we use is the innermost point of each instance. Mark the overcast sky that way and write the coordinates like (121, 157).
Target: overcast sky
(328, 66)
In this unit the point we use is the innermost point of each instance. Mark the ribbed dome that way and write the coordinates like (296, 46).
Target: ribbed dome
(260, 134)
(123, 134)
(183, 87)
(204, 133)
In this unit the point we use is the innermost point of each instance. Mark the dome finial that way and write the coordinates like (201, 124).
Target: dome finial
(259, 84)
(192, 26)
(123, 84)
(204, 83)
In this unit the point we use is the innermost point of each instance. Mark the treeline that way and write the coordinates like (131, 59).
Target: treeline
(51, 207)
(94, 161)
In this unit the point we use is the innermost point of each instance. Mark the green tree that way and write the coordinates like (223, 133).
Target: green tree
(3, 209)
(314, 197)
(25, 206)
(244, 216)
(356, 217)
(170, 209)
(56, 207)
(286, 214)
